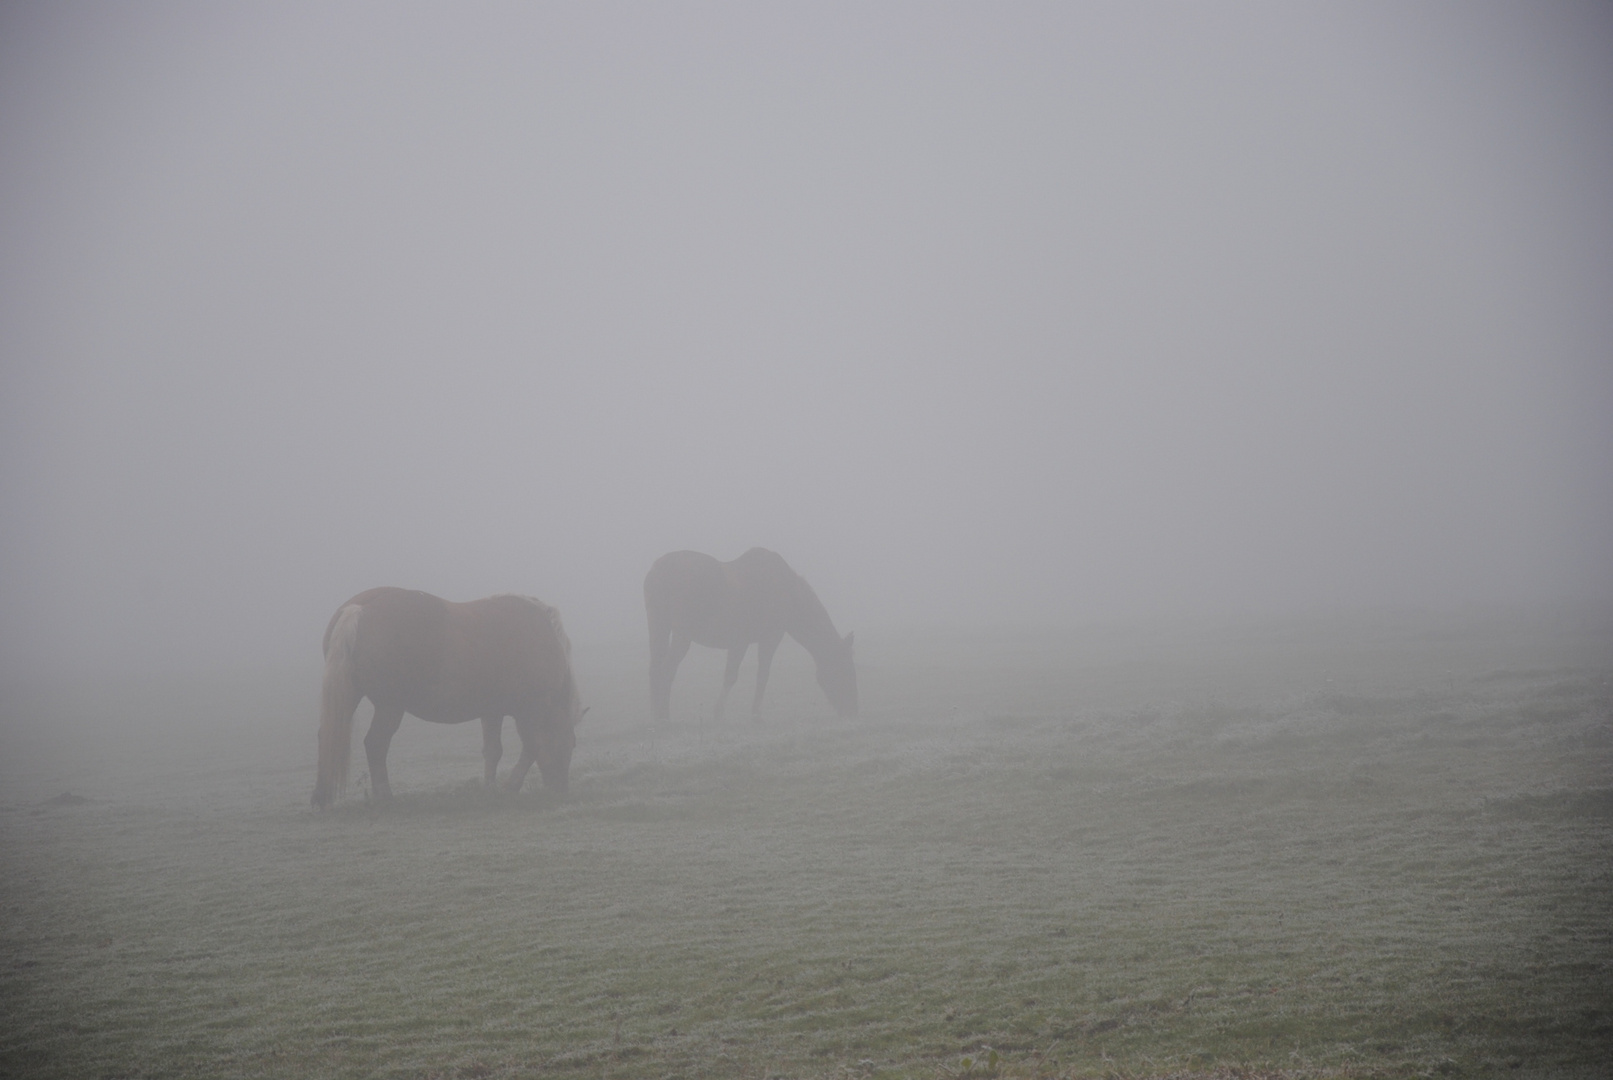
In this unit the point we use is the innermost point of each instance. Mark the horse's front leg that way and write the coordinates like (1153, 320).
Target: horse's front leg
(492, 748)
(730, 676)
(550, 745)
(529, 754)
(376, 740)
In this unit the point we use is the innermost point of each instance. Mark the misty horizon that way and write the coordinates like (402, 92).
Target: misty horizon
(978, 316)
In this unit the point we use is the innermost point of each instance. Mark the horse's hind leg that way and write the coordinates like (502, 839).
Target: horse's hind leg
(376, 740)
(525, 728)
(730, 676)
(492, 748)
(661, 674)
(765, 649)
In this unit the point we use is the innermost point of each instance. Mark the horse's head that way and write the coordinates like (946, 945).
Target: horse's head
(555, 744)
(837, 675)
(556, 741)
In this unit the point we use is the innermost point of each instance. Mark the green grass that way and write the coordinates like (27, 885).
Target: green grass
(1381, 850)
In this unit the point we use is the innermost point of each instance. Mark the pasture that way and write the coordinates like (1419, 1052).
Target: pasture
(1375, 848)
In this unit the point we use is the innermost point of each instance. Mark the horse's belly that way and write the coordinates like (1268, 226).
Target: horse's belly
(462, 711)
(435, 708)
(730, 634)
(477, 704)
(445, 716)
(722, 641)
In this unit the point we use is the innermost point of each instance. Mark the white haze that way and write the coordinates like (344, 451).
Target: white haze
(978, 314)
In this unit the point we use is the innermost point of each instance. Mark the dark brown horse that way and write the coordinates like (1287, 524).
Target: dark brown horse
(447, 663)
(690, 597)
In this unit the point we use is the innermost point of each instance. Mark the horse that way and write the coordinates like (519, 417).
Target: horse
(690, 597)
(447, 663)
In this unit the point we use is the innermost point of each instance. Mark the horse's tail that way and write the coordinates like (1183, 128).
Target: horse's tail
(658, 615)
(340, 698)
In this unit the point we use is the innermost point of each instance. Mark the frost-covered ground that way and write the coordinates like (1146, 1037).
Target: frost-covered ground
(1381, 847)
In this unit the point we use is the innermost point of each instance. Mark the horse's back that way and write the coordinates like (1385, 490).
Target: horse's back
(720, 604)
(762, 571)
(387, 601)
(761, 560)
(679, 571)
(449, 662)
(684, 585)
(513, 638)
(686, 573)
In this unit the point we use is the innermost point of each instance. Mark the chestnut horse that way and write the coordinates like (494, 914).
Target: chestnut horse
(690, 597)
(447, 663)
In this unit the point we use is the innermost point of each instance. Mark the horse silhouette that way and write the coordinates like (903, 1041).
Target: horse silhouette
(693, 598)
(447, 663)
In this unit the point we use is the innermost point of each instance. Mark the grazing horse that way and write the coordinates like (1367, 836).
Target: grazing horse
(690, 597)
(447, 663)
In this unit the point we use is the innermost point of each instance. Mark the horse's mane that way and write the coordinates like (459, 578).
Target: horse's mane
(550, 613)
(553, 615)
(815, 621)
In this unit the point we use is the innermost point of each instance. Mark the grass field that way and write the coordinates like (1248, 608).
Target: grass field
(1375, 848)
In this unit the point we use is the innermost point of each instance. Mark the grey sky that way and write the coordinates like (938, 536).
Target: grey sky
(1009, 313)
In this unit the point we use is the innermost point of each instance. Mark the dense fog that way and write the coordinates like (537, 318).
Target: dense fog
(978, 314)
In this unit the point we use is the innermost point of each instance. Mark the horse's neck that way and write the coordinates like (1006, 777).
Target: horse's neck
(810, 623)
